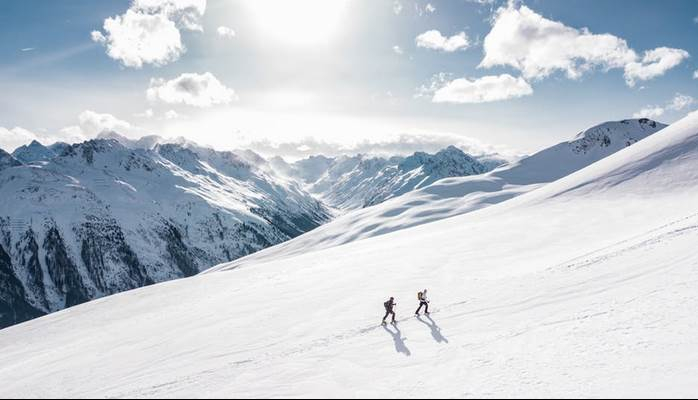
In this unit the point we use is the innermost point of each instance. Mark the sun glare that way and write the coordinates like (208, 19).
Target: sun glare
(298, 22)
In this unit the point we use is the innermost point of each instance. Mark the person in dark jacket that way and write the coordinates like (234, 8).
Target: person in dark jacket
(389, 309)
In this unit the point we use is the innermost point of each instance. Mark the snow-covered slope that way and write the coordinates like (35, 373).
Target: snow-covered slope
(455, 196)
(353, 182)
(584, 287)
(102, 218)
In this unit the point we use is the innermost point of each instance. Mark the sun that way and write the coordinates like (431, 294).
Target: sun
(298, 22)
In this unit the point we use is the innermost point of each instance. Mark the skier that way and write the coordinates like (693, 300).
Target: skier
(423, 302)
(389, 309)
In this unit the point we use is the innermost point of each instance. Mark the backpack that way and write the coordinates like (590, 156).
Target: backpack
(419, 296)
(387, 305)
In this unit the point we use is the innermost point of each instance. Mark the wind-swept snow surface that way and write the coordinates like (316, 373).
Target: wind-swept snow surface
(585, 287)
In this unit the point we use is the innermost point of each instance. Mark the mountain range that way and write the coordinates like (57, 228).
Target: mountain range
(87, 220)
(454, 196)
(353, 182)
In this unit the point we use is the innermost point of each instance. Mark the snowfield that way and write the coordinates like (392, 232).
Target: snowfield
(587, 286)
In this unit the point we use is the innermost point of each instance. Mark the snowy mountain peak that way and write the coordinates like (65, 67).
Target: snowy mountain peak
(619, 133)
(313, 168)
(91, 149)
(350, 182)
(448, 162)
(146, 142)
(33, 152)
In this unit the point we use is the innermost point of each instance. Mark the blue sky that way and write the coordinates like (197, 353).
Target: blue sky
(330, 78)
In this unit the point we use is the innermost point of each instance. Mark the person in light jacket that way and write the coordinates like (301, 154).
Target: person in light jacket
(423, 302)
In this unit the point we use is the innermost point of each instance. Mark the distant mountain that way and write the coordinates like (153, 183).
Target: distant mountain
(101, 218)
(351, 182)
(460, 195)
(145, 143)
(36, 151)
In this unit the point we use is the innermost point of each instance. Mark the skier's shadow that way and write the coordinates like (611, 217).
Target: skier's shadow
(435, 329)
(399, 341)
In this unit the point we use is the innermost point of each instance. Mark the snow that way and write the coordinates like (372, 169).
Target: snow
(584, 287)
(460, 195)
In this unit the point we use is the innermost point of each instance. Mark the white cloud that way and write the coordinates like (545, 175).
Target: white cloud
(136, 38)
(92, 124)
(427, 9)
(695, 74)
(397, 7)
(187, 13)
(434, 40)
(538, 47)
(695, 19)
(391, 145)
(654, 63)
(149, 113)
(651, 112)
(480, 90)
(172, 114)
(678, 103)
(98, 37)
(398, 50)
(198, 90)
(10, 139)
(149, 31)
(225, 32)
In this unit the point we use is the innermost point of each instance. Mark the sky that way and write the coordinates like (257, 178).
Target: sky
(303, 77)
